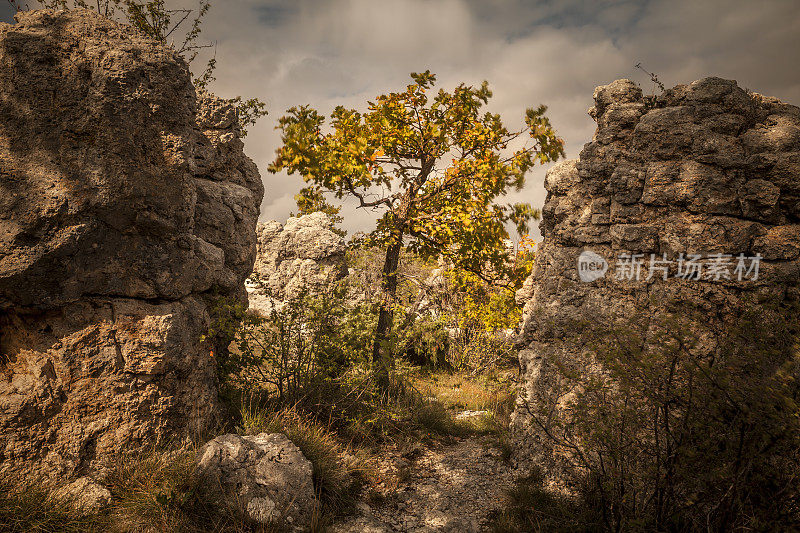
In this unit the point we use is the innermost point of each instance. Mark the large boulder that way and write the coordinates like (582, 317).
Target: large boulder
(304, 256)
(705, 169)
(266, 477)
(125, 202)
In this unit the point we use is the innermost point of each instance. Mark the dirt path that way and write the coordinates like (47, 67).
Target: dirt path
(440, 487)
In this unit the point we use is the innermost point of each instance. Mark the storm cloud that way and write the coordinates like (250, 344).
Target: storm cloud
(325, 53)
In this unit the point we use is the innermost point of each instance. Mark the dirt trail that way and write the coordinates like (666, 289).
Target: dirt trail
(441, 487)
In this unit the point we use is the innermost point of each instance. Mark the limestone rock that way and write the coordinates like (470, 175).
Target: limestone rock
(266, 474)
(87, 495)
(705, 168)
(125, 199)
(304, 255)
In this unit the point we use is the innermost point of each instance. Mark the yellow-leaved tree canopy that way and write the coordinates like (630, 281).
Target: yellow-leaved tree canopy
(434, 165)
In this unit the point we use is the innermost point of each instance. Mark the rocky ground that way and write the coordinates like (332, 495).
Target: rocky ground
(444, 486)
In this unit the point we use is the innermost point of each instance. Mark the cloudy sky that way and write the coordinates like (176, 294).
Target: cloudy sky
(329, 52)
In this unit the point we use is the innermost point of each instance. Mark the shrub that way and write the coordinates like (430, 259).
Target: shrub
(295, 344)
(423, 340)
(677, 426)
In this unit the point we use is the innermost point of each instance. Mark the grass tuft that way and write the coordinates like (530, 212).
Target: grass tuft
(531, 508)
(35, 508)
(340, 470)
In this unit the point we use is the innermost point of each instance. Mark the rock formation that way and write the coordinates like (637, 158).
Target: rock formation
(706, 169)
(125, 201)
(303, 256)
(266, 475)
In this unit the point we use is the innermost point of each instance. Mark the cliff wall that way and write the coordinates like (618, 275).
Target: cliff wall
(126, 201)
(689, 200)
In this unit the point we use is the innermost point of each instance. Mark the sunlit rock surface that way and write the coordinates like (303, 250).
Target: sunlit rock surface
(125, 203)
(706, 168)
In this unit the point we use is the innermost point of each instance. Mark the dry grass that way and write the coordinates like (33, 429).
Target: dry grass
(531, 508)
(341, 429)
(34, 508)
(457, 392)
(151, 492)
(340, 470)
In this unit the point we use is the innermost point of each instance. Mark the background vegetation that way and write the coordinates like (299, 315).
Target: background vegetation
(672, 425)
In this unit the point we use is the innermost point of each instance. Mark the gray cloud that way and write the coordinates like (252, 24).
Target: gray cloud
(6, 13)
(324, 53)
(347, 51)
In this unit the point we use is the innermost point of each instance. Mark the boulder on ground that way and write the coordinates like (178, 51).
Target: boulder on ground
(706, 169)
(264, 476)
(86, 495)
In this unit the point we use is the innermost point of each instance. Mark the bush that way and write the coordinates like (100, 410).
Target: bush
(676, 426)
(423, 341)
(297, 343)
(455, 319)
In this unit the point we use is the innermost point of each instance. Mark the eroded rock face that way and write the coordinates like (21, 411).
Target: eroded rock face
(125, 199)
(266, 475)
(706, 168)
(303, 256)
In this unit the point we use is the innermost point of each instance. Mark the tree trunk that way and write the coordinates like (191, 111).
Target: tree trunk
(382, 357)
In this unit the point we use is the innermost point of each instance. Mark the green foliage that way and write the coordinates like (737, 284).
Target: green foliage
(475, 316)
(444, 317)
(248, 110)
(310, 200)
(478, 313)
(424, 341)
(151, 17)
(401, 147)
(285, 351)
(401, 144)
(682, 427)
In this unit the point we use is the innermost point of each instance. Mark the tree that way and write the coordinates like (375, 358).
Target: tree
(176, 27)
(433, 166)
(310, 200)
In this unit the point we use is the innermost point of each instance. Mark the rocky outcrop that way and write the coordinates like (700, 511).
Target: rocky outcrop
(705, 169)
(305, 255)
(125, 199)
(265, 476)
